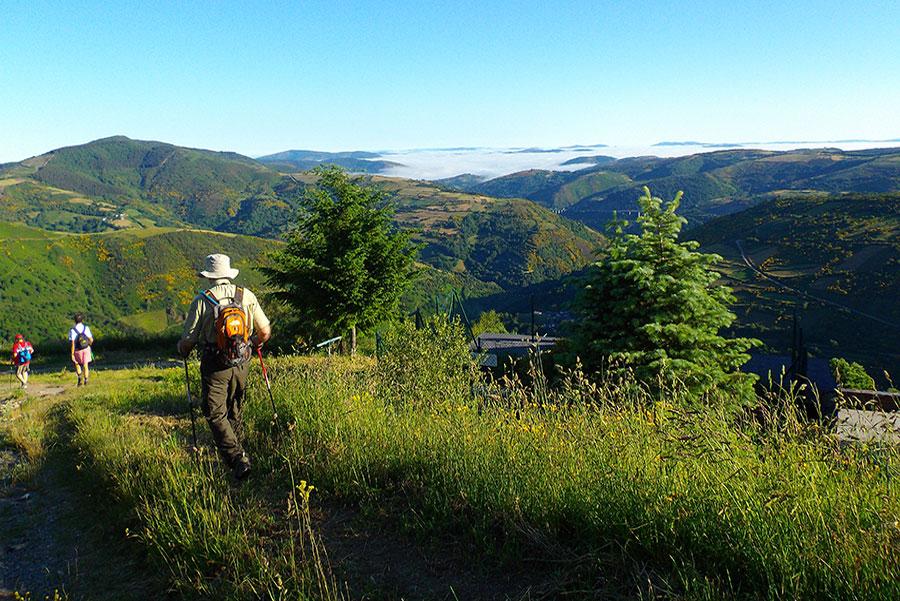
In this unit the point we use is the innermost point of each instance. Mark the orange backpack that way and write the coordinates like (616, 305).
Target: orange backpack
(232, 329)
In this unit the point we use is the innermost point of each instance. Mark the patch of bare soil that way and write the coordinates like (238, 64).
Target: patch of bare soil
(12, 396)
(378, 562)
(30, 557)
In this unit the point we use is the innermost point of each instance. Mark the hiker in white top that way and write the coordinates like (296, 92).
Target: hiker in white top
(81, 339)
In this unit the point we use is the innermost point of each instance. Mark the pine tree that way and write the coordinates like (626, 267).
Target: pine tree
(345, 265)
(653, 304)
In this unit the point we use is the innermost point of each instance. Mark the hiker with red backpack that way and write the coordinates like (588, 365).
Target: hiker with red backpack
(80, 341)
(225, 323)
(22, 352)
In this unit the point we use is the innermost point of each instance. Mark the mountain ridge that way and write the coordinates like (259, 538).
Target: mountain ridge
(119, 183)
(714, 183)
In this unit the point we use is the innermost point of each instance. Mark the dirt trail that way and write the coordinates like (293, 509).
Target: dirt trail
(33, 557)
(52, 538)
(12, 396)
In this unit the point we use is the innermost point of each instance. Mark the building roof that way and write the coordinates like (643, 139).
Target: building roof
(512, 344)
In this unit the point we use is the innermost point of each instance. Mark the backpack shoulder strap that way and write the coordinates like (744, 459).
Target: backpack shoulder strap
(209, 296)
(239, 296)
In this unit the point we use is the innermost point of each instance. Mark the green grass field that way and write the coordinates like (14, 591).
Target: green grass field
(610, 495)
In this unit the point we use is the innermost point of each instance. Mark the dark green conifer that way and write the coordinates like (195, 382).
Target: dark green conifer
(653, 303)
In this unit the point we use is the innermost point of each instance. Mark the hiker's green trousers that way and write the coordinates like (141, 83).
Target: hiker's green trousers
(222, 390)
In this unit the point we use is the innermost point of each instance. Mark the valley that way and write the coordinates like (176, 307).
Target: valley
(89, 218)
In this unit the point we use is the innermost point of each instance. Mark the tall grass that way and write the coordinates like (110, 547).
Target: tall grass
(770, 508)
(217, 541)
(675, 497)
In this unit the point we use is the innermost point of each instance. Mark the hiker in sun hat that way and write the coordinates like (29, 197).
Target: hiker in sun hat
(225, 322)
(80, 341)
(21, 358)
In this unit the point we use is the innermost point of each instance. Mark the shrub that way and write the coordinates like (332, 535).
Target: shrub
(425, 366)
(851, 375)
(489, 321)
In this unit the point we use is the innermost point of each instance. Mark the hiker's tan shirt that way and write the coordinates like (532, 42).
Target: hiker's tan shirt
(200, 326)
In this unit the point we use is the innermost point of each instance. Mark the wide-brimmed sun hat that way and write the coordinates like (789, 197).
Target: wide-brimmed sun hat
(218, 266)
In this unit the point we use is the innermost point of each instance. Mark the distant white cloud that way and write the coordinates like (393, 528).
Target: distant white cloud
(486, 162)
(431, 164)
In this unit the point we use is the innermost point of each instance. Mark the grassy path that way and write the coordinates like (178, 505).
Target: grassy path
(66, 513)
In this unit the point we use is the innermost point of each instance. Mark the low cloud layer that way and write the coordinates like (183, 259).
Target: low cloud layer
(434, 164)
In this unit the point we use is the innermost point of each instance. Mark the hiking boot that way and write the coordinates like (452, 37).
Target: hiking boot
(79, 382)
(241, 468)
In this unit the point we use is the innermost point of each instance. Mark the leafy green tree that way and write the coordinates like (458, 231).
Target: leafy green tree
(489, 321)
(851, 375)
(653, 304)
(345, 265)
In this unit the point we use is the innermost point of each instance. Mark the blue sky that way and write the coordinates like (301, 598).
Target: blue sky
(267, 76)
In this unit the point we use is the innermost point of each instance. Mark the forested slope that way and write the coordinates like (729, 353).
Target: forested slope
(136, 282)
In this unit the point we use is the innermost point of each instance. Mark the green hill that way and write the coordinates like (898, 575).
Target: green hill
(459, 183)
(715, 183)
(841, 256)
(432, 283)
(509, 242)
(136, 282)
(534, 184)
(119, 182)
(498, 241)
(140, 282)
(552, 189)
(304, 160)
(587, 186)
(705, 195)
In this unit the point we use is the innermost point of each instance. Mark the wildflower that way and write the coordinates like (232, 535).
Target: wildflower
(305, 490)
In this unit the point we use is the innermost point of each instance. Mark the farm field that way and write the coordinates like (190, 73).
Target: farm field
(372, 485)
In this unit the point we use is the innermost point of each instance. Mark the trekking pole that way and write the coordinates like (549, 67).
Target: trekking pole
(265, 373)
(187, 386)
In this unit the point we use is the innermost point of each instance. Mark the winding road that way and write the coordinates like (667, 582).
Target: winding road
(806, 295)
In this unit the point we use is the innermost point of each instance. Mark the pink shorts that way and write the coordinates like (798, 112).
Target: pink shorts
(83, 356)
